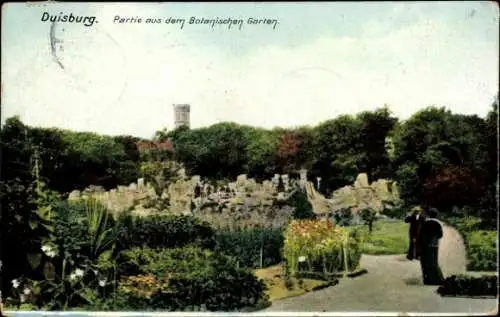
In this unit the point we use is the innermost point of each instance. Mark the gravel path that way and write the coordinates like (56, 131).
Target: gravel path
(393, 284)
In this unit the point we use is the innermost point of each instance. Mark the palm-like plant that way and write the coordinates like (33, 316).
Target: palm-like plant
(101, 234)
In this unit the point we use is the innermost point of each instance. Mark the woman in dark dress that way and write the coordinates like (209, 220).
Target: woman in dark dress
(431, 233)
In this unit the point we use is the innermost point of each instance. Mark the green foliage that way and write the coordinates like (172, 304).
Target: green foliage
(289, 283)
(188, 279)
(440, 158)
(348, 145)
(217, 151)
(482, 250)
(74, 258)
(463, 285)
(480, 241)
(25, 214)
(303, 208)
(251, 246)
(319, 246)
(163, 231)
(343, 217)
(68, 160)
(396, 210)
(337, 149)
(387, 237)
(160, 174)
(261, 152)
(369, 215)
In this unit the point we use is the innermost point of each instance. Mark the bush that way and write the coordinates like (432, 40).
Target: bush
(462, 285)
(482, 250)
(246, 245)
(163, 231)
(320, 246)
(73, 261)
(188, 279)
(481, 244)
(303, 208)
(331, 277)
(396, 211)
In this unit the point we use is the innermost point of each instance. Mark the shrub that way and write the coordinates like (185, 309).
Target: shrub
(396, 210)
(481, 244)
(482, 250)
(188, 278)
(303, 208)
(320, 246)
(246, 245)
(462, 285)
(289, 283)
(163, 231)
(74, 260)
(331, 277)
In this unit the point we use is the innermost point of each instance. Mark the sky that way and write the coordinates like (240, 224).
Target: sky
(321, 60)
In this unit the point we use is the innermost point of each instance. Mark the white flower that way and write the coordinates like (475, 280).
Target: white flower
(15, 283)
(27, 291)
(79, 272)
(302, 258)
(102, 282)
(49, 250)
(22, 298)
(72, 277)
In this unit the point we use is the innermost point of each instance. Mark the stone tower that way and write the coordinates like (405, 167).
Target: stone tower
(181, 115)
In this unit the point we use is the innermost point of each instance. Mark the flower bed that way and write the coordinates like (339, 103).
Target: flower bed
(320, 246)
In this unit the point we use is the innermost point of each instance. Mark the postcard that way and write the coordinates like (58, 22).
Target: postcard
(255, 158)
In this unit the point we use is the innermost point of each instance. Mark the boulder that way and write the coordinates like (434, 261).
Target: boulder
(361, 181)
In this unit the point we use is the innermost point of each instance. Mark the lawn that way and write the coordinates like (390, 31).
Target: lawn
(273, 277)
(388, 237)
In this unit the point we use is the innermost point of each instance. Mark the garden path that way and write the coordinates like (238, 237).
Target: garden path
(393, 284)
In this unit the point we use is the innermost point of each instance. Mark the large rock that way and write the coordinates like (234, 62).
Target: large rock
(74, 195)
(363, 195)
(241, 180)
(361, 181)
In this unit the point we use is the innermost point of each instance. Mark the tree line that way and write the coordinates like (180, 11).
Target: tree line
(437, 157)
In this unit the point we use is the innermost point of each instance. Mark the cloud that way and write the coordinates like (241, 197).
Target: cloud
(123, 79)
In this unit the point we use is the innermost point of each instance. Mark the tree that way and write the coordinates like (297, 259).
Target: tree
(287, 151)
(338, 154)
(433, 143)
(262, 161)
(369, 215)
(218, 151)
(375, 128)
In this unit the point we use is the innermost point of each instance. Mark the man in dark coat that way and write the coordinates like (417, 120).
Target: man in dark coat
(432, 232)
(416, 221)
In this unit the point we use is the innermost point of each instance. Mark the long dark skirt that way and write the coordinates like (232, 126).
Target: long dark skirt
(414, 250)
(431, 271)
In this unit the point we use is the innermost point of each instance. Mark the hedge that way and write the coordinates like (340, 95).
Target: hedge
(252, 247)
(482, 250)
(481, 244)
(163, 231)
(463, 285)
